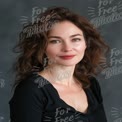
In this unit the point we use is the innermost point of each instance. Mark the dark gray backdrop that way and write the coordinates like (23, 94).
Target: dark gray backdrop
(106, 15)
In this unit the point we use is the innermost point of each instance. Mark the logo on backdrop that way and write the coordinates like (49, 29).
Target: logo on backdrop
(35, 12)
(33, 26)
(106, 11)
(115, 63)
(116, 113)
(2, 81)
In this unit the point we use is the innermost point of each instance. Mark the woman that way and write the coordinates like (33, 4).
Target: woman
(60, 54)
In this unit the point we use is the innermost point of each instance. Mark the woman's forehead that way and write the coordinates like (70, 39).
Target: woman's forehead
(65, 28)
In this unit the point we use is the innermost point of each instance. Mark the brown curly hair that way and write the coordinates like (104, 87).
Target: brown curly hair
(33, 42)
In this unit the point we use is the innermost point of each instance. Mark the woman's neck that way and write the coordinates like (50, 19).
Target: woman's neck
(59, 74)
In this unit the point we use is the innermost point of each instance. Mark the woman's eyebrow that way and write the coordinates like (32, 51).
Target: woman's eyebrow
(61, 38)
(54, 37)
(76, 35)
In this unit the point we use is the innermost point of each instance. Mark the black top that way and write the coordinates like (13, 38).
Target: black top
(36, 100)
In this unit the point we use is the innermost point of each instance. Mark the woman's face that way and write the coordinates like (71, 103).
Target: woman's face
(66, 44)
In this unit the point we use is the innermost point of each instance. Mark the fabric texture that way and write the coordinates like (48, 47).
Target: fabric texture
(36, 100)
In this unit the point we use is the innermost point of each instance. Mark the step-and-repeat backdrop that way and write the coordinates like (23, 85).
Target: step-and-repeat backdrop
(106, 15)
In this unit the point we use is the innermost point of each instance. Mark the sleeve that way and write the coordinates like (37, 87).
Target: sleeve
(27, 104)
(95, 87)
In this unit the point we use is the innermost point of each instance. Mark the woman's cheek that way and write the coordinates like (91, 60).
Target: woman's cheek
(80, 47)
(51, 52)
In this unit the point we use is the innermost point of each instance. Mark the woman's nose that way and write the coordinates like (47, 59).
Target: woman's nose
(67, 47)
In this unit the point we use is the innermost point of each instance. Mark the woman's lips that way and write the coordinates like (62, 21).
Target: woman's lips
(67, 57)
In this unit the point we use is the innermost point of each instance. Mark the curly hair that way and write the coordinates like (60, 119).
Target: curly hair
(33, 42)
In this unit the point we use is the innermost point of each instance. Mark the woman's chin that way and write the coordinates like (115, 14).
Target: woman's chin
(67, 63)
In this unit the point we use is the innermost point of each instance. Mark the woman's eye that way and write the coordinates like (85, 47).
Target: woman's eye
(76, 39)
(54, 41)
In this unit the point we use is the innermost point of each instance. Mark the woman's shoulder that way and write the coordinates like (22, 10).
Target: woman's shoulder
(30, 86)
(96, 89)
(94, 83)
(33, 81)
(27, 99)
